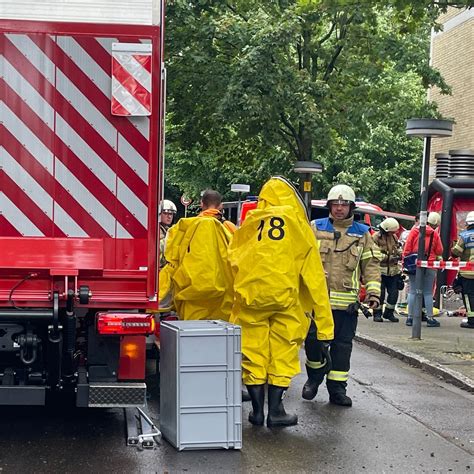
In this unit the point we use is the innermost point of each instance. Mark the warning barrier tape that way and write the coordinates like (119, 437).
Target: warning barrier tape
(444, 264)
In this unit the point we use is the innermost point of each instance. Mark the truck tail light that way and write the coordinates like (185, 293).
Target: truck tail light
(125, 323)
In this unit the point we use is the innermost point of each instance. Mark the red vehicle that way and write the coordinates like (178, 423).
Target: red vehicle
(80, 174)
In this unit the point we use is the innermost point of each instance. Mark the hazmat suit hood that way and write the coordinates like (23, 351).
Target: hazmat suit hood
(277, 191)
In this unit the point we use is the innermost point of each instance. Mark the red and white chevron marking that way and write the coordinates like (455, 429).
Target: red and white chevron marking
(131, 79)
(68, 167)
(447, 265)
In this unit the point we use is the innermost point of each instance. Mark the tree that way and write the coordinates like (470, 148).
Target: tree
(255, 86)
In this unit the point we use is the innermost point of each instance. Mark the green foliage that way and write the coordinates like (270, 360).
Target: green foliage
(255, 85)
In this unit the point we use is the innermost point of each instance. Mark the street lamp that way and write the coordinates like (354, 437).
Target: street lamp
(306, 169)
(239, 189)
(427, 129)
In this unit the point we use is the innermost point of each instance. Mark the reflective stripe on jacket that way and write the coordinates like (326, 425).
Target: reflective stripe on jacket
(464, 248)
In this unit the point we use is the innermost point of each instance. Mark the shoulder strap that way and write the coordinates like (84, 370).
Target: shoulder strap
(427, 254)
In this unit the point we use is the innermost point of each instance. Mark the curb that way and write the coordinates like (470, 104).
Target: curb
(450, 376)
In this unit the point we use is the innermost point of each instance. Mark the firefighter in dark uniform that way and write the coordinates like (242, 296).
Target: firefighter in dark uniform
(349, 255)
(464, 248)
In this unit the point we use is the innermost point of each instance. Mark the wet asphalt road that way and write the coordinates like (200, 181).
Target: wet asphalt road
(403, 420)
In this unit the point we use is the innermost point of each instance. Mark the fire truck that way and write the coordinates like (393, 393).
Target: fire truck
(82, 88)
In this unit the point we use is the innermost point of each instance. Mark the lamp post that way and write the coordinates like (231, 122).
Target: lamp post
(239, 189)
(306, 169)
(427, 129)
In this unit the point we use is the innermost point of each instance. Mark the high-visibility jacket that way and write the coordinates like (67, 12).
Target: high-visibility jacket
(349, 255)
(198, 273)
(275, 261)
(464, 248)
(391, 253)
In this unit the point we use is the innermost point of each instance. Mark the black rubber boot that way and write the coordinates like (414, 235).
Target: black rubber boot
(340, 399)
(388, 314)
(310, 388)
(277, 415)
(469, 324)
(257, 396)
(378, 316)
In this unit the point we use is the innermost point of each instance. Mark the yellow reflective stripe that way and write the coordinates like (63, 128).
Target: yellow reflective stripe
(371, 253)
(338, 376)
(344, 300)
(372, 286)
(355, 278)
(314, 365)
(343, 294)
(389, 306)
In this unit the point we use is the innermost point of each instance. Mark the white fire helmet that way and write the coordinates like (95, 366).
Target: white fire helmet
(434, 218)
(168, 206)
(390, 225)
(341, 192)
(470, 218)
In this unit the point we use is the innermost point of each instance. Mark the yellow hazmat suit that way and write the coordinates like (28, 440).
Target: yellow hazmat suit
(278, 282)
(198, 275)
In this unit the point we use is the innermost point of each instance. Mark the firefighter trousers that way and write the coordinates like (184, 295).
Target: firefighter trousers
(389, 286)
(467, 285)
(345, 325)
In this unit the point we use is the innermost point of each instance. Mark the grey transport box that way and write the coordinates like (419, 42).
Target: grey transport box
(201, 384)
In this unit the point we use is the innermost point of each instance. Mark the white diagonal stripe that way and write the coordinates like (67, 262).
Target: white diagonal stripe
(85, 153)
(133, 159)
(34, 55)
(121, 232)
(27, 92)
(82, 195)
(65, 222)
(26, 182)
(17, 219)
(26, 137)
(128, 102)
(132, 203)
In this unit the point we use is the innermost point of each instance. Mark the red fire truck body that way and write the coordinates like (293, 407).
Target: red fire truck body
(81, 135)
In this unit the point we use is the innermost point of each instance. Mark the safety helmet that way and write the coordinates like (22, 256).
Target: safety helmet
(434, 218)
(168, 206)
(470, 218)
(341, 192)
(390, 225)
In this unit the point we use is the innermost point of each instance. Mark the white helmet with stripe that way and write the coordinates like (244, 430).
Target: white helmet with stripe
(168, 206)
(470, 218)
